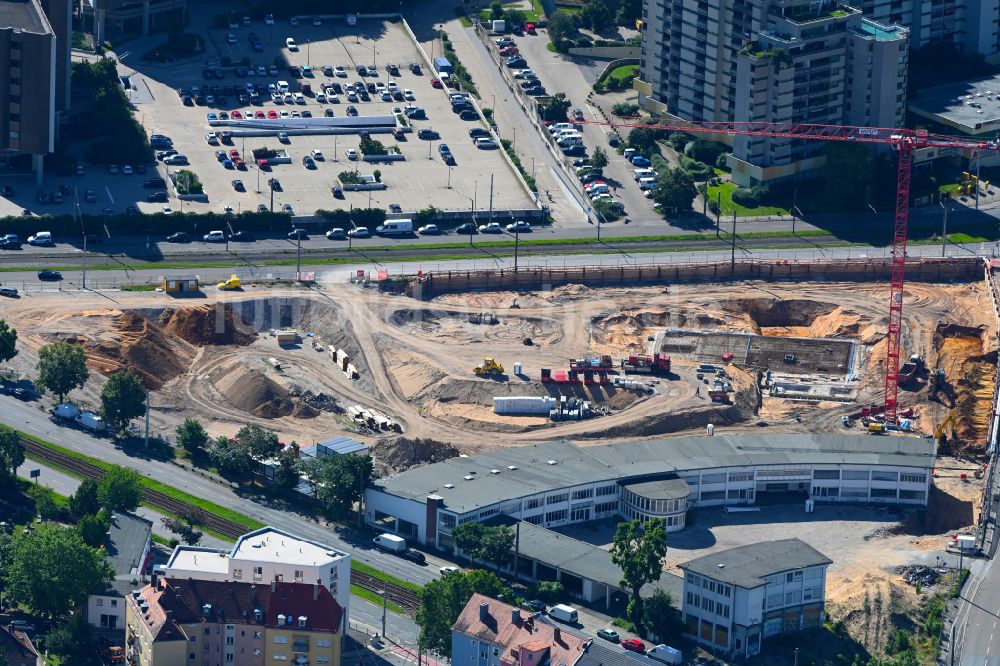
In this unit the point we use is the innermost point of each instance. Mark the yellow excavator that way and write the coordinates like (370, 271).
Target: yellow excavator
(939, 433)
(488, 367)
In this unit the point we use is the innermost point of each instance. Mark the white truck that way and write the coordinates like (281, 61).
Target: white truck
(666, 654)
(87, 420)
(563, 613)
(395, 227)
(390, 543)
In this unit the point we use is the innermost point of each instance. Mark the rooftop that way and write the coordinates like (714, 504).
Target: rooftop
(341, 445)
(748, 566)
(665, 489)
(126, 543)
(270, 544)
(883, 33)
(597, 654)
(24, 15)
(15, 645)
(193, 558)
(470, 483)
(499, 627)
(952, 105)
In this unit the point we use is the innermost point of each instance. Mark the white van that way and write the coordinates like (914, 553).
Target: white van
(567, 131)
(568, 141)
(41, 238)
(291, 45)
(555, 127)
(563, 613)
(639, 174)
(395, 227)
(666, 654)
(282, 86)
(647, 183)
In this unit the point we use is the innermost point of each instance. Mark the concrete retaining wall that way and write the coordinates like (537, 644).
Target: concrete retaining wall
(537, 277)
(602, 52)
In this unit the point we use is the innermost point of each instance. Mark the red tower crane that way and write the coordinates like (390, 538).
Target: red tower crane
(904, 141)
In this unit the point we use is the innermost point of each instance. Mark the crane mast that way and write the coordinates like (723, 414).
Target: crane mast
(905, 141)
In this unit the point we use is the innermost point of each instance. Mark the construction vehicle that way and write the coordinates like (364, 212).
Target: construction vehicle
(488, 367)
(602, 364)
(911, 369)
(657, 364)
(719, 396)
(905, 141)
(943, 441)
(232, 283)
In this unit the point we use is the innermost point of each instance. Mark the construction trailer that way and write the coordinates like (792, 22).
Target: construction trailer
(180, 285)
(598, 364)
(288, 336)
(656, 364)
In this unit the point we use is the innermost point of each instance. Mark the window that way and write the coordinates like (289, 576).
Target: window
(298, 573)
(192, 656)
(884, 492)
(229, 657)
(740, 476)
(793, 577)
(281, 640)
(555, 499)
(100, 601)
(193, 639)
(884, 476)
(532, 503)
(553, 516)
(793, 597)
(854, 475)
(606, 507)
(322, 642)
(322, 660)
(114, 603)
(826, 474)
(580, 514)
(724, 611)
(773, 601)
(237, 573)
(207, 631)
(913, 478)
(230, 640)
(607, 490)
(109, 621)
(280, 656)
(448, 521)
(586, 493)
(534, 520)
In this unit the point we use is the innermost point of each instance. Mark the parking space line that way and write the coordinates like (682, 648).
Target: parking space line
(111, 198)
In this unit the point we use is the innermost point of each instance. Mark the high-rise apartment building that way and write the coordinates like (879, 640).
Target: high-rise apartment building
(970, 24)
(34, 77)
(794, 61)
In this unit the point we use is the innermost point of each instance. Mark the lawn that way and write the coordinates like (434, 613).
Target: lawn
(729, 207)
(624, 72)
(530, 15)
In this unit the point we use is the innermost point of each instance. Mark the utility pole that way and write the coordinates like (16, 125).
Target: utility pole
(298, 255)
(517, 238)
(795, 207)
(732, 256)
(146, 443)
(718, 214)
(385, 603)
(944, 227)
(491, 197)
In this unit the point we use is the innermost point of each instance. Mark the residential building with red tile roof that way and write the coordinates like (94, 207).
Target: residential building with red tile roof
(17, 649)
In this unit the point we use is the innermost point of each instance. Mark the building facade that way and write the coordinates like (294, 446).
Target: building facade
(34, 78)
(972, 25)
(174, 622)
(781, 61)
(734, 599)
(117, 17)
(557, 484)
(266, 555)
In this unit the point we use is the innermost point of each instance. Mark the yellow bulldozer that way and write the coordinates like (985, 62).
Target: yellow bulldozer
(488, 367)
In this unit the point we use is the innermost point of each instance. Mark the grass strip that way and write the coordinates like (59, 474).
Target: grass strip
(375, 573)
(170, 491)
(375, 599)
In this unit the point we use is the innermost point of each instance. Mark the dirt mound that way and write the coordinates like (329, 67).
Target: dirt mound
(971, 370)
(395, 454)
(207, 325)
(627, 330)
(777, 312)
(257, 394)
(140, 346)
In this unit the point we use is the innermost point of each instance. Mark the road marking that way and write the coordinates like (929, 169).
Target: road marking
(108, 190)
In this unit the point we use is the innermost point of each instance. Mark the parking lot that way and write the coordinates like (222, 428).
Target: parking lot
(422, 180)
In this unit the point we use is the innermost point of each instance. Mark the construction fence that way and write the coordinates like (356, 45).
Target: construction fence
(431, 283)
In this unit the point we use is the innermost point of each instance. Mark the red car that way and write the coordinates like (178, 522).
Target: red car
(435, 83)
(272, 114)
(634, 645)
(259, 115)
(235, 115)
(234, 153)
(529, 28)
(509, 51)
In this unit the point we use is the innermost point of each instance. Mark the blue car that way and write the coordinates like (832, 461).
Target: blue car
(228, 163)
(640, 161)
(213, 116)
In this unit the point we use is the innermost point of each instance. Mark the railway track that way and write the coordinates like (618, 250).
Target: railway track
(406, 599)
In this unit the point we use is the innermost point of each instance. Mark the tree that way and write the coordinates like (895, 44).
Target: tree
(338, 480)
(644, 139)
(45, 502)
(72, 638)
(120, 489)
(8, 342)
(53, 571)
(122, 399)
(848, 173)
(229, 457)
(93, 529)
(486, 543)
(628, 12)
(596, 15)
(191, 436)
(561, 28)
(550, 590)
(555, 108)
(674, 189)
(84, 501)
(704, 150)
(11, 452)
(659, 617)
(260, 444)
(62, 367)
(286, 474)
(441, 602)
(496, 10)
(599, 159)
(513, 18)
(639, 549)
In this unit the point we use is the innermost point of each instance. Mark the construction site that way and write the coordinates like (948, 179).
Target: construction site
(447, 367)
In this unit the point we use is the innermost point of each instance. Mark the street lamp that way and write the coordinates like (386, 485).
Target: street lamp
(385, 603)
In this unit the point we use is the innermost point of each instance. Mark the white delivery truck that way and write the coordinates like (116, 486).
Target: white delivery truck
(390, 543)
(90, 421)
(666, 654)
(65, 411)
(563, 613)
(395, 227)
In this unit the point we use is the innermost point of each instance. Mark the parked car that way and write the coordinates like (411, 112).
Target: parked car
(217, 236)
(287, 210)
(466, 228)
(429, 230)
(414, 556)
(336, 234)
(351, 154)
(634, 645)
(50, 276)
(536, 605)
(609, 634)
(298, 234)
(468, 114)
(178, 237)
(479, 133)
(157, 197)
(428, 134)
(519, 227)
(9, 292)
(444, 571)
(359, 232)
(338, 192)
(490, 228)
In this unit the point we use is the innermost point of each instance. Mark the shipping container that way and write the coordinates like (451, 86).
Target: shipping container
(523, 405)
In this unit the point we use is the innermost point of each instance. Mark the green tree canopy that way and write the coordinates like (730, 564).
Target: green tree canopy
(286, 474)
(659, 617)
(11, 452)
(53, 571)
(644, 139)
(639, 550)
(122, 399)
(8, 342)
(84, 501)
(674, 190)
(62, 367)
(191, 436)
(486, 543)
(120, 489)
(229, 457)
(338, 480)
(442, 601)
(93, 529)
(628, 12)
(555, 108)
(561, 28)
(496, 10)
(513, 17)
(599, 159)
(596, 15)
(261, 444)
